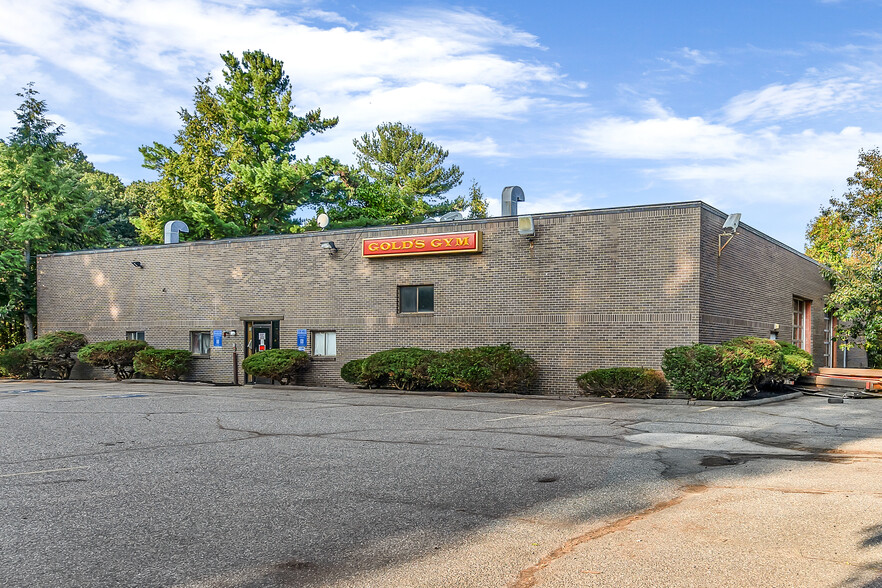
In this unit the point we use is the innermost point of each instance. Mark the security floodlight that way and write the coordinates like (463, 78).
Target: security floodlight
(138, 264)
(526, 228)
(730, 229)
(329, 245)
(732, 222)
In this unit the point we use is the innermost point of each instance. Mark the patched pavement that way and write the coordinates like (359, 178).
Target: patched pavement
(108, 484)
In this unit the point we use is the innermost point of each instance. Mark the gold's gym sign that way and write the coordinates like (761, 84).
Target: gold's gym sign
(465, 242)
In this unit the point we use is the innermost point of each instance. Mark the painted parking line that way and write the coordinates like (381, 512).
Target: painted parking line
(43, 471)
(458, 407)
(544, 414)
(707, 409)
(17, 392)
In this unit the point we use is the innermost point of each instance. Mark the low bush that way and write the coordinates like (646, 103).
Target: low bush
(698, 370)
(797, 365)
(282, 365)
(623, 382)
(53, 354)
(116, 355)
(166, 364)
(766, 355)
(496, 368)
(16, 362)
(728, 371)
(405, 368)
(351, 371)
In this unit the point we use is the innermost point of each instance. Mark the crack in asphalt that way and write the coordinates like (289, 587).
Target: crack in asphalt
(527, 577)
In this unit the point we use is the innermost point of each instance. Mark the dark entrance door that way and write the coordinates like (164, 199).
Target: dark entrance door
(260, 337)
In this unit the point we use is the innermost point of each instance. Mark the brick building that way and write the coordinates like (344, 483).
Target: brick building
(595, 288)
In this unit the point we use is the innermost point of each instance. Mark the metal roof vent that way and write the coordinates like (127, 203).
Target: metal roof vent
(511, 195)
(173, 229)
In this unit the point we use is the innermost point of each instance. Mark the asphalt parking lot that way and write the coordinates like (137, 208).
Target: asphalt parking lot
(108, 484)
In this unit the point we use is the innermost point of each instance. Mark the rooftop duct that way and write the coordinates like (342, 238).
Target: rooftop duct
(173, 230)
(511, 195)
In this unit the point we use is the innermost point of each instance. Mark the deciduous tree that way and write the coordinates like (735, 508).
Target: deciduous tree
(847, 238)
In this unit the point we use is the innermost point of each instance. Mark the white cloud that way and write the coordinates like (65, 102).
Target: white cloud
(719, 163)
(486, 147)
(688, 61)
(661, 138)
(803, 98)
(795, 168)
(421, 66)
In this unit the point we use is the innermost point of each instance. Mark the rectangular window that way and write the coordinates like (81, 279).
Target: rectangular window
(416, 298)
(135, 335)
(799, 324)
(324, 343)
(200, 342)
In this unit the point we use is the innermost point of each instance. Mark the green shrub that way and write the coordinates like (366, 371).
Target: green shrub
(767, 357)
(16, 362)
(405, 368)
(277, 364)
(351, 371)
(624, 382)
(796, 365)
(116, 355)
(53, 354)
(484, 369)
(166, 364)
(698, 370)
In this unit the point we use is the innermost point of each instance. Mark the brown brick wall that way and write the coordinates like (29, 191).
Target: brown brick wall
(597, 289)
(751, 285)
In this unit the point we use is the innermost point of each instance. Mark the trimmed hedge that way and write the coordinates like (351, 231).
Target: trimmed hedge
(480, 369)
(52, 354)
(166, 364)
(730, 370)
(498, 368)
(116, 355)
(16, 362)
(351, 371)
(623, 382)
(283, 365)
(405, 368)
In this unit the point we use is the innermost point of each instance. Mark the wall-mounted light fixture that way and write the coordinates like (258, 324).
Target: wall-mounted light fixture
(526, 228)
(329, 245)
(730, 229)
(230, 333)
(138, 264)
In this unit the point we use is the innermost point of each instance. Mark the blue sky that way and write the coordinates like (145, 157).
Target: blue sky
(758, 107)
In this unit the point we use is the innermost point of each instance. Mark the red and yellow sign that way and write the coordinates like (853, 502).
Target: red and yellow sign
(465, 242)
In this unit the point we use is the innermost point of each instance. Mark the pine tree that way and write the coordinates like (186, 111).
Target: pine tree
(43, 205)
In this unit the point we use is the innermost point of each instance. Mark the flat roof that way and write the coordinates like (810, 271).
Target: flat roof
(495, 219)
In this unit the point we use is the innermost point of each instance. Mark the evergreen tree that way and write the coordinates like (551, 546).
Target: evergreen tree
(398, 155)
(43, 205)
(233, 170)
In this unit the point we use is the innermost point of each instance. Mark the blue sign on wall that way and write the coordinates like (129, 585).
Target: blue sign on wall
(217, 337)
(301, 339)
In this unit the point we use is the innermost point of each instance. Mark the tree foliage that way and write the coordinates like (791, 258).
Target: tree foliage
(398, 155)
(847, 238)
(232, 170)
(45, 205)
